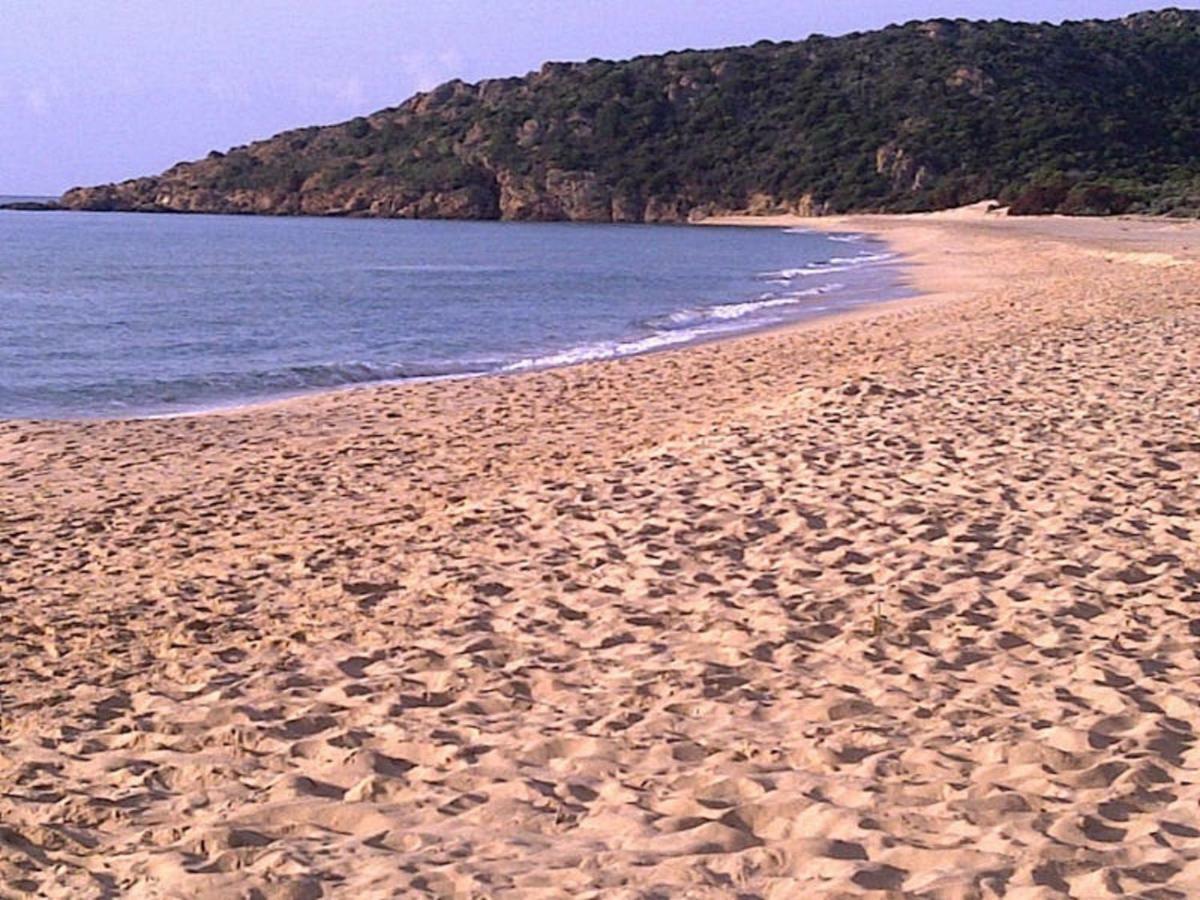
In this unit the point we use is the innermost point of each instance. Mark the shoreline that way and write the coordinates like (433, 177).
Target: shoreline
(865, 311)
(904, 603)
(917, 265)
(897, 272)
(877, 227)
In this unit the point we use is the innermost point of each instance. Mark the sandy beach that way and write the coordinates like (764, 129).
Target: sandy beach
(901, 603)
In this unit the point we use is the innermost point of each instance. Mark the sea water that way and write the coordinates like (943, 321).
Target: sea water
(114, 315)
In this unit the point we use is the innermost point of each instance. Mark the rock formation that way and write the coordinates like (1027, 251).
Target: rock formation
(1079, 117)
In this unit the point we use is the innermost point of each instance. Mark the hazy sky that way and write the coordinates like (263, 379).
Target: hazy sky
(100, 90)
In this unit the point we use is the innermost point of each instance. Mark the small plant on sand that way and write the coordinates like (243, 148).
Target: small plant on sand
(879, 622)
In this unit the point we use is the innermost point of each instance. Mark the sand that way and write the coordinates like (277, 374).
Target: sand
(905, 603)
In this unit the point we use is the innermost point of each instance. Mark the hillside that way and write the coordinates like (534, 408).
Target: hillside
(1086, 117)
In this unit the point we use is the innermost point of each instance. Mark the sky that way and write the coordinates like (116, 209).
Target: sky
(93, 91)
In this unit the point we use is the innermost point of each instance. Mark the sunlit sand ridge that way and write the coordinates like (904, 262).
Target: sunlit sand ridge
(905, 601)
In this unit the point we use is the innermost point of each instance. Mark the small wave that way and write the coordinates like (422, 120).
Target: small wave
(607, 350)
(733, 311)
(441, 268)
(295, 378)
(841, 238)
(680, 327)
(834, 264)
(164, 398)
(331, 374)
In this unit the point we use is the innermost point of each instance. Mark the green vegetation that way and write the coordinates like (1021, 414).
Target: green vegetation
(1085, 118)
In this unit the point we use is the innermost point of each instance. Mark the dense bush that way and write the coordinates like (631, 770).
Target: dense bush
(1083, 118)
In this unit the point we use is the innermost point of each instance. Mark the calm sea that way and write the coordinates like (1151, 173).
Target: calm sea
(111, 315)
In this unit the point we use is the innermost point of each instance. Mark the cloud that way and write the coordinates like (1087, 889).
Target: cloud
(37, 100)
(342, 92)
(428, 70)
(227, 90)
(349, 91)
(36, 97)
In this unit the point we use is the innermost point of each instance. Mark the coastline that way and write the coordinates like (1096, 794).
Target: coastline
(912, 256)
(901, 600)
(704, 310)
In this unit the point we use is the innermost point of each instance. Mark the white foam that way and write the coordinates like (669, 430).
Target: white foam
(704, 322)
(834, 264)
(729, 311)
(606, 350)
(848, 238)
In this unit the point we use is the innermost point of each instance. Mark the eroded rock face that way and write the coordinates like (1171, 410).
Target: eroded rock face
(577, 196)
(665, 209)
(385, 201)
(522, 200)
(905, 172)
(561, 195)
(627, 207)
(569, 196)
(95, 199)
(808, 205)
(580, 195)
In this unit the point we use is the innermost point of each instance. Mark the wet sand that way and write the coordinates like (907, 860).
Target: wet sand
(905, 601)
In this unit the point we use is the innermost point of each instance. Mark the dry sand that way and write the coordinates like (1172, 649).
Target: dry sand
(904, 602)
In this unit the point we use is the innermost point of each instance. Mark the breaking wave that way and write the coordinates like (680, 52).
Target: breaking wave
(731, 311)
(833, 264)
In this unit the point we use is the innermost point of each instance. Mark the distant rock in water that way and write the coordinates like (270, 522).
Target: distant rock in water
(32, 205)
(1091, 117)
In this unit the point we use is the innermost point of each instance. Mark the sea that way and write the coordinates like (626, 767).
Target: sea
(110, 315)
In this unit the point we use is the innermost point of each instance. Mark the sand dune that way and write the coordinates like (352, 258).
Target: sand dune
(906, 603)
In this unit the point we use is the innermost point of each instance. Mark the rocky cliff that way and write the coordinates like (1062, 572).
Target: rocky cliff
(1083, 117)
